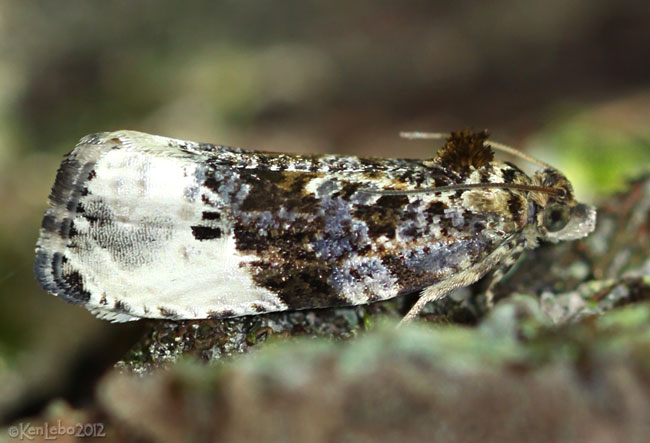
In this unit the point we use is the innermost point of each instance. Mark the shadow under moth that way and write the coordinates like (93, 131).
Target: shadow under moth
(142, 226)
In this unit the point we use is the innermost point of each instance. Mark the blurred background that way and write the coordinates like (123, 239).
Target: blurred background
(566, 80)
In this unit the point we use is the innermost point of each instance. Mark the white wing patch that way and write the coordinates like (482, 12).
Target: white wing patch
(134, 245)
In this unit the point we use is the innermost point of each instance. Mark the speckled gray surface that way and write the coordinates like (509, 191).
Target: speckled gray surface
(515, 378)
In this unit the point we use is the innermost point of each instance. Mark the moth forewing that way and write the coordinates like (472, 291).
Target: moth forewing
(146, 226)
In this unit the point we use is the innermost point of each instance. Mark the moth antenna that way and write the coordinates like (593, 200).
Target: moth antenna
(463, 187)
(413, 135)
(510, 150)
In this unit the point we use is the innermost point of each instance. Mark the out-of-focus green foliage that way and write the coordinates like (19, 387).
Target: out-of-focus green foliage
(600, 159)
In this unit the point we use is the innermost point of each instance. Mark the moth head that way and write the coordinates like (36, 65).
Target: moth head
(559, 216)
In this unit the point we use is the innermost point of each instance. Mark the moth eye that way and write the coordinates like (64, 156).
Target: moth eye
(556, 217)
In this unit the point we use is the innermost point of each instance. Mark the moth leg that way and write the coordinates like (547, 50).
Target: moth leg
(431, 293)
(506, 265)
(463, 278)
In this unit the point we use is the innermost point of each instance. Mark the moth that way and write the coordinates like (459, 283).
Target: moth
(142, 226)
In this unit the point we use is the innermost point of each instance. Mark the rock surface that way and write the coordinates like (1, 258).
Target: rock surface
(515, 378)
